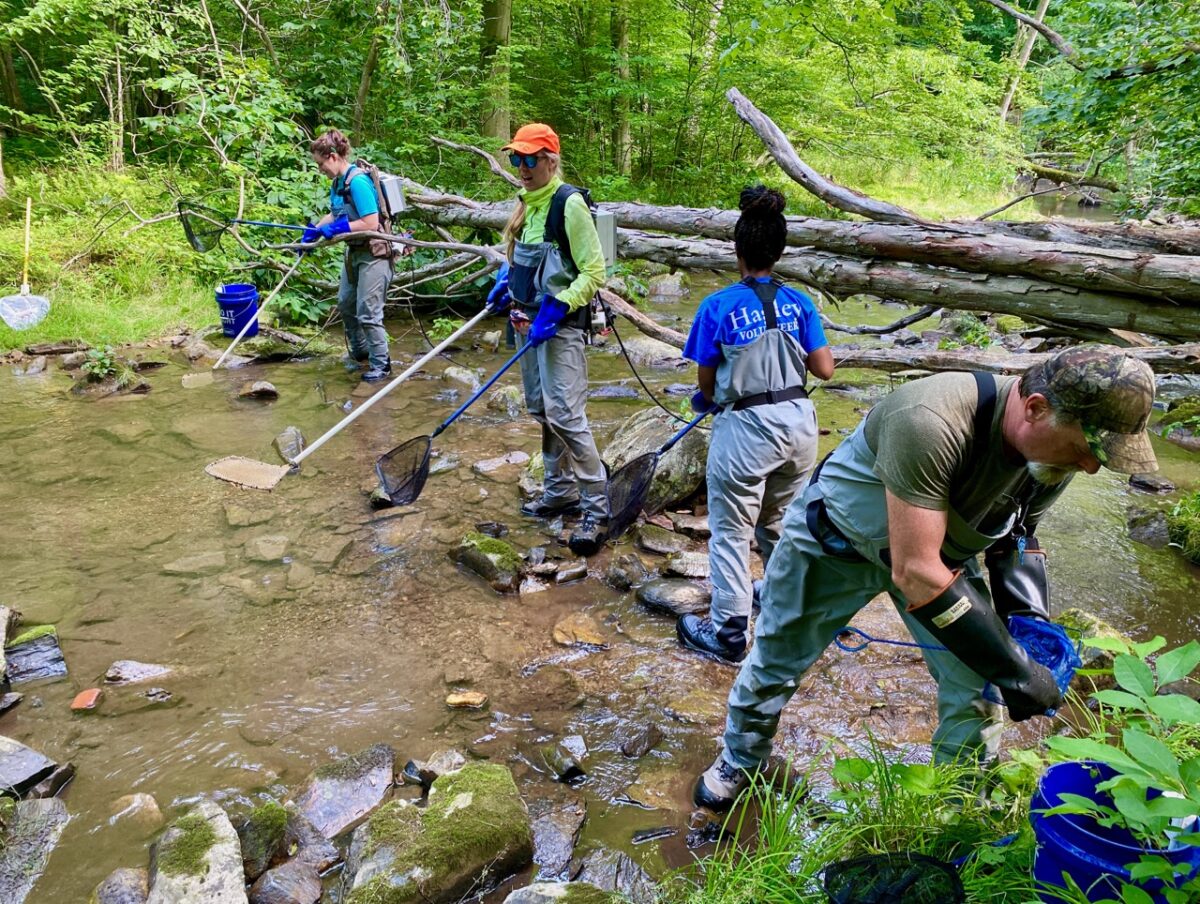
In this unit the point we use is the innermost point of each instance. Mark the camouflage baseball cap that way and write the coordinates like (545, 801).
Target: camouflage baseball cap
(1110, 393)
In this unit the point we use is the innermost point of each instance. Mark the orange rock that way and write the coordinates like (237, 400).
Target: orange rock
(86, 700)
(467, 700)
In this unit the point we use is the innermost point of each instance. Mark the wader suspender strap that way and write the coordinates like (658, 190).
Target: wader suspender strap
(766, 293)
(985, 412)
(555, 231)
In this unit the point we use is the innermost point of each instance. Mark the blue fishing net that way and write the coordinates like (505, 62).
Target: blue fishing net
(1048, 644)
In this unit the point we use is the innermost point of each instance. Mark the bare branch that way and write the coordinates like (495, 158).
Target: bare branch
(909, 319)
(1069, 53)
(493, 164)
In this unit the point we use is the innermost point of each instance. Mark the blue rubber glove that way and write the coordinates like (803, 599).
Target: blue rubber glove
(311, 234)
(700, 404)
(337, 227)
(549, 316)
(498, 299)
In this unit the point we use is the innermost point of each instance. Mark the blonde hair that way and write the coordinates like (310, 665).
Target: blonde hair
(516, 223)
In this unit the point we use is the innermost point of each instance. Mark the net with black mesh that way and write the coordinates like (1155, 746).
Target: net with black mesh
(628, 489)
(902, 878)
(403, 471)
(202, 225)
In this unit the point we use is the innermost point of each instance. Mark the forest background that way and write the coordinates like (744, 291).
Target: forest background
(110, 110)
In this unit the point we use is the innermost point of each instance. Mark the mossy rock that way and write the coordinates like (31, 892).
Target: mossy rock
(32, 633)
(1183, 526)
(474, 831)
(1182, 412)
(199, 859)
(184, 851)
(262, 836)
(1008, 323)
(496, 561)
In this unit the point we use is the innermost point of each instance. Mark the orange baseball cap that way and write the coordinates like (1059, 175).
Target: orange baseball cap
(537, 136)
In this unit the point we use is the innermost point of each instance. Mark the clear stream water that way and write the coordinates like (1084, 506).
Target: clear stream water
(271, 682)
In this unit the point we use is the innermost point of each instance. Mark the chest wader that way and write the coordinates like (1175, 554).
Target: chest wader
(832, 559)
(764, 443)
(555, 377)
(362, 291)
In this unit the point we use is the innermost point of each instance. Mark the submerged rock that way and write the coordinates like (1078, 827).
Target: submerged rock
(289, 443)
(197, 565)
(507, 400)
(293, 882)
(475, 826)
(123, 886)
(198, 859)
(139, 808)
(612, 392)
(494, 560)
(638, 740)
(556, 827)
(269, 548)
(491, 465)
(258, 389)
(21, 767)
(338, 796)
(129, 671)
(614, 872)
(244, 516)
(457, 374)
(579, 628)
(674, 597)
(626, 572)
(562, 893)
(1148, 527)
(34, 655)
(426, 772)
(29, 830)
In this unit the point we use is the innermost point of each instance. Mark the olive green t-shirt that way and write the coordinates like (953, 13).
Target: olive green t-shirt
(922, 436)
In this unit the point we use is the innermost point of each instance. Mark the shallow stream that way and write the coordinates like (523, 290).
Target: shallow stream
(274, 679)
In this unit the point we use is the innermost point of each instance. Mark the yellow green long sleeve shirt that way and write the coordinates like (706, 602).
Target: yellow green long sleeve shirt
(586, 252)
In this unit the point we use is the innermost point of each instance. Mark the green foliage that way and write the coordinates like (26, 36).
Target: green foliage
(444, 327)
(184, 854)
(1151, 739)
(100, 363)
(1183, 526)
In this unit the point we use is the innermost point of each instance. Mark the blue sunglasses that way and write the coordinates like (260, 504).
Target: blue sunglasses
(530, 161)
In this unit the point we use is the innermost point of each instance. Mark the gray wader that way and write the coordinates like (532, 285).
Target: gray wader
(361, 296)
(831, 560)
(763, 446)
(363, 288)
(555, 379)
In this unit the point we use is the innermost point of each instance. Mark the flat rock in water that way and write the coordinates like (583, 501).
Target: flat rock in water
(556, 826)
(270, 548)
(22, 767)
(289, 443)
(612, 392)
(129, 671)
(653, 538)
(26, 843)
(201, 378)
(467, 700)
(198, 859)
(1151, 483)
(237, 515)
(197, 565)
(8, 701)
(644, 351)
(426, 772)
(443, 463)
(123, 886)
(695, 526)
(309, 845)
(687, 565)
(294, 882)
(139, 808)
(456, 374)
(491, 465)
(561, 893)
(638, 740)
(672, 596)
(36, 659)
(258, 389)
(579, 628)
(571, 571)
(475, 824)
(626, 572)
(52, 783)
(680, 389)
(1148, 528)
(330, 551)
(507, 400)
(496, 561)
(615, 872)
(338, 796)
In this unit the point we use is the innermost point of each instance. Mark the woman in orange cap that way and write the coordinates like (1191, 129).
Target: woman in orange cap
(555, 267)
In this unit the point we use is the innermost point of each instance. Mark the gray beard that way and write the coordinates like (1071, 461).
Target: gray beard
(1048, 475)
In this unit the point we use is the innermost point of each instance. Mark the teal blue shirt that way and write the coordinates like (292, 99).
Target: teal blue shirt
(362, 191)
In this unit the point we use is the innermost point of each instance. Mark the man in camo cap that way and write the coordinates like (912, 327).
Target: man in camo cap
(941, 470)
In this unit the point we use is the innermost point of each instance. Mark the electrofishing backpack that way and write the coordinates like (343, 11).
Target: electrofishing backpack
(556, 231)
(389, 197)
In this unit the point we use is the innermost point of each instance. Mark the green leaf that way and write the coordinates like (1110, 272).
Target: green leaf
(917, 778)
(1087, 749)
(1119, 699)
(1134, 675)
(1189, 773)
(1151, 753)
(1178, 663)
(1146, 647)
(1173, 708)
(1131, 894)
(852, 770)
(1108, 644)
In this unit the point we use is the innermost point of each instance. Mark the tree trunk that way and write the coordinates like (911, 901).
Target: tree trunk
(1024, 46)
(368, 73)
(622, 136)
(3, 178)
(497, 26)
(116, 101)
(1068, 177)
(10, 91)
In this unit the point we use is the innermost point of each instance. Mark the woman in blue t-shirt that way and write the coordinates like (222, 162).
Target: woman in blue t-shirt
(754, 343)
(367, 271)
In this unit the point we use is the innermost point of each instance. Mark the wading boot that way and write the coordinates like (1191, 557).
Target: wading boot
(698, 633)
(375, 374)
(353, 362)
(719, 785)
(589, 535)
(541, 507)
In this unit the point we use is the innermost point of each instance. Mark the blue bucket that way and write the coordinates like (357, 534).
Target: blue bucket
(1095, 857)
(238, 303)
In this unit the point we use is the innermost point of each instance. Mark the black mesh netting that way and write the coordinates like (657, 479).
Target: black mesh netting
(202, 225)
(893, 879)
(628, 488)
(403, 471)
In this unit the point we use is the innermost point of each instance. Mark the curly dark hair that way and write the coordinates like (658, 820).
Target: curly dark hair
(328, 143)
(761, 231)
